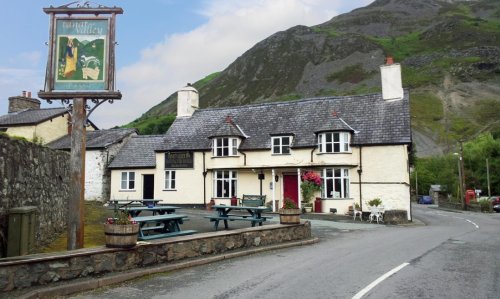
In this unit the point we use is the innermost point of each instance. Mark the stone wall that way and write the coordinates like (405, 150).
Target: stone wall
(33, 175)
(46, 269)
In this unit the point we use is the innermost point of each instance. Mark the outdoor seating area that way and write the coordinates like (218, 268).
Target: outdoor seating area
(162, 221)
(246, 213)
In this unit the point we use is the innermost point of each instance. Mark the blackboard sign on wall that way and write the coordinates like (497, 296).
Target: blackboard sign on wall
(179, 160)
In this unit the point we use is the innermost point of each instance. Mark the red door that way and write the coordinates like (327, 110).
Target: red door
(291, 188)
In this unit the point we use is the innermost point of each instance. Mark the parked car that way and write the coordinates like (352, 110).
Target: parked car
(495, 202)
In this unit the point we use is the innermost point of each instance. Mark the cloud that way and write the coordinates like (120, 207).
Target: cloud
(232, 28)
(16, 79)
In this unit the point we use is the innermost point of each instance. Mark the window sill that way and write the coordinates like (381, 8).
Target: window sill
(334, 153)
(127, 190)
(289, 154)
(218, 157)
(169, 190)
(348, 198)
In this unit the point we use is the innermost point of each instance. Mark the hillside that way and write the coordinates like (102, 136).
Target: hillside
(449, 51)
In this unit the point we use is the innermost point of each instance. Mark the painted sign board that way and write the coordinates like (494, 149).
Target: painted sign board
(179, 160)
(81, 58)
(81, 55)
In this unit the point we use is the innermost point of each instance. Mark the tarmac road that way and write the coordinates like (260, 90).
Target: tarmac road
(454, 256)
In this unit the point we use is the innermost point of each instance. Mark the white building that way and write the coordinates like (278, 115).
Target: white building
(101, 147)
(358, 144)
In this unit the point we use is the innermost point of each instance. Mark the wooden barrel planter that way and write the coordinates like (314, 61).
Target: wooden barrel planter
(289, 216)
(121, 236)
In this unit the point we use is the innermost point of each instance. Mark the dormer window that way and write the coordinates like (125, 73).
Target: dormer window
(333, 142)
(281, 145)
(225, 146)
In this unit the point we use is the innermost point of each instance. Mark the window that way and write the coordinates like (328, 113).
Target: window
(281, 145)
(336, 183)
(128, 180)
(225, 182)
(333, 142)
(169, 179)
(224, 147)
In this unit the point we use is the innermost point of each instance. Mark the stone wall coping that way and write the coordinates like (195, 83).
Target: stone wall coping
(35, 258)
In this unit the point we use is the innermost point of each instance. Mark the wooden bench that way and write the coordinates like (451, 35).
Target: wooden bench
(216, 219)
(253, 200)
(167, 225)
(168, 235)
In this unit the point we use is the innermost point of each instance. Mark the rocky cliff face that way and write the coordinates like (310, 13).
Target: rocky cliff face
(449, 51)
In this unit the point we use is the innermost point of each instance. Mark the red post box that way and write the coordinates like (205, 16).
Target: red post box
(469, 194)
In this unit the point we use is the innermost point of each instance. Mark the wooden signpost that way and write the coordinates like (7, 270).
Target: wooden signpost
(80, 71)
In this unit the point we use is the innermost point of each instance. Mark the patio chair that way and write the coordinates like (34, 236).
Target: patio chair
(377, 213)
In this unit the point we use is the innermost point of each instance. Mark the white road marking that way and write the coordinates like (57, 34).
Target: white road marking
(477, 226)
(379, 280)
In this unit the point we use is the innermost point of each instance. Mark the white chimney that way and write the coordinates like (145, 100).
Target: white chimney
(187, 101)
(392, 85)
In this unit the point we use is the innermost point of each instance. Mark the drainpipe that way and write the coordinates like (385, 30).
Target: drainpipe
(244, 157)
(360, 170)
(312, 153)
(274, 188)
(204, 182)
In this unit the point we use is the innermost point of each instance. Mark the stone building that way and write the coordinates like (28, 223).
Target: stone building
(101, 147)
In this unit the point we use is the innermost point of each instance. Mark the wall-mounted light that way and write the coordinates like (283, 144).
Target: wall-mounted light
(276, 178)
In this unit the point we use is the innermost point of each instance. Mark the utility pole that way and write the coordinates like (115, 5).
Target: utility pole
(488, 177)
(462, 177)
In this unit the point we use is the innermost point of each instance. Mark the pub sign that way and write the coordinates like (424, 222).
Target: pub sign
(179, 160)
(81, 52)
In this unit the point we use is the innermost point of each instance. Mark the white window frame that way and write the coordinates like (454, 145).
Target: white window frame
(339, 179)
(281, 145)
(170, 178)
(127, 180)
(341, 144)
(219, 148)
(228, 181)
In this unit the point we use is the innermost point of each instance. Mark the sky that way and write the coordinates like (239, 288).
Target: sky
(162, 44)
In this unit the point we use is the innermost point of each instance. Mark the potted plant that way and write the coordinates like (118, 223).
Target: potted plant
(289, 213)
(121, 231)
(311, 183)
(375, 202)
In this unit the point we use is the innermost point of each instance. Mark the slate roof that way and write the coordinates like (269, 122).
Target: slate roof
(95, 139)
(138, 152)
(227, 128)
(31, 116)
(374, 120)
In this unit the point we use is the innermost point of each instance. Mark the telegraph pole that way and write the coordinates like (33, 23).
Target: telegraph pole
(462, 177)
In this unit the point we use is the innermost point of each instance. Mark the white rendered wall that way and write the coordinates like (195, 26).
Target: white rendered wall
(385, 175)
(95, 163)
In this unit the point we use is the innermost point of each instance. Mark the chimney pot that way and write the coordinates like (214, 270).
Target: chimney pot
(24, 93)
(389, 60)
(29, 94)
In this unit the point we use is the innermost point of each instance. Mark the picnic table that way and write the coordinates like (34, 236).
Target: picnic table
(161, 226)
(119, 203)
(134, 211)
(222, 213)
